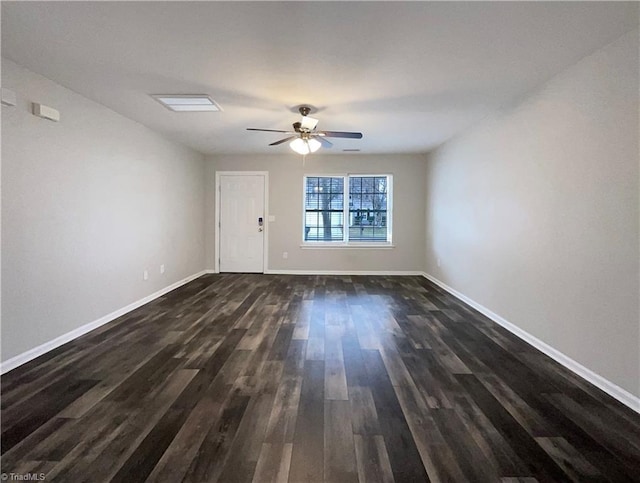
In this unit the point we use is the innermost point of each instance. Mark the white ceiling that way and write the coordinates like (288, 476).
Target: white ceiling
(409, 75)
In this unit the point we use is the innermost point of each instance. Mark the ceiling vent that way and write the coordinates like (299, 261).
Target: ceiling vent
(187, 102)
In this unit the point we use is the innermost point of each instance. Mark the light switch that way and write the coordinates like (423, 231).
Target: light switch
(272, 218)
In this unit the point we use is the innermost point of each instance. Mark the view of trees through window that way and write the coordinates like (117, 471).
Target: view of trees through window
(365, 212)
(324, 209)
(368, 208)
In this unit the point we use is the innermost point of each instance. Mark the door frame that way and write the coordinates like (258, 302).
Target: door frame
(265, 245)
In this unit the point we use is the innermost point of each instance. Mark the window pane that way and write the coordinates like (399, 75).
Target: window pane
(368, 209)
(325, 226)
(379, 201)
(312, 201)
(355, 185)
(337, 185)
(324, 205)
(312, 185)
(325, 201)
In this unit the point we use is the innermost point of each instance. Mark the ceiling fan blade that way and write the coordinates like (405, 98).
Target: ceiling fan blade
(283, 140)
(325, 143)
(341, 134)
(267, 130)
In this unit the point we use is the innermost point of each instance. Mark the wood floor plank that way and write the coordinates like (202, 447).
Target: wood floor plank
(392, 358)
(536, 459)
(309, 378)
(281, 343)
(273, 464)
(423, 428)
(182, 449)
(445, 463)
(570, 460)
(301, 330)
(100, 433)
(214, 450)
(282, 421)
(335, 379)
(626, 450)
(492, 444)
(294, 362)
(364, 417)
(134, 431)
(473, 462)
(29, 416)
(432, 388)
(372, 459)
(355, 371)
(57, 446)
(19, 451)
(403, 454)
(528, 418)
(308, 443)
(367, 336)
(245, 449)
(315, 348)
(339, 451)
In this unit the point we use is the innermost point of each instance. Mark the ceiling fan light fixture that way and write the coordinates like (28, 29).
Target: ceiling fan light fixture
(314, 145)
(305, 146)
(300, 146)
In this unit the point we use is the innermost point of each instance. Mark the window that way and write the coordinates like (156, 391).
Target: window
(353, 209)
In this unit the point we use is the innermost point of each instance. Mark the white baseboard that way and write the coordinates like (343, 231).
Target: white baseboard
(597, 380)
(343, 272)
(337, 272)
(25, 357)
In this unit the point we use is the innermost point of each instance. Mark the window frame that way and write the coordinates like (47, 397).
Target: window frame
(345, 242)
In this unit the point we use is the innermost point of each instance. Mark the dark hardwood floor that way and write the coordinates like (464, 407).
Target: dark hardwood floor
(238, 377)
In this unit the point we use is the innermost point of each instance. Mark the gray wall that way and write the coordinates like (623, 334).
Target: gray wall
(285, 203)
(534, 213)
(88, 204)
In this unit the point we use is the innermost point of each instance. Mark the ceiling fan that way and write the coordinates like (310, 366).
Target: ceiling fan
(305, 138)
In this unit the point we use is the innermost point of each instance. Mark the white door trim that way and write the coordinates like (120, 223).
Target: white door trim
(265, 257)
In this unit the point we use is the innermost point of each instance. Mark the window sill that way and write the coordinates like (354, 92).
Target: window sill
(382, 246)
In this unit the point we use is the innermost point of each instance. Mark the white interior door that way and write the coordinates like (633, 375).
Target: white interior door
(242, 223)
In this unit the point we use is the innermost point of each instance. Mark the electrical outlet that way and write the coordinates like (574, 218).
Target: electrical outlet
(162, 268)
(285, 255)
(145, 275)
